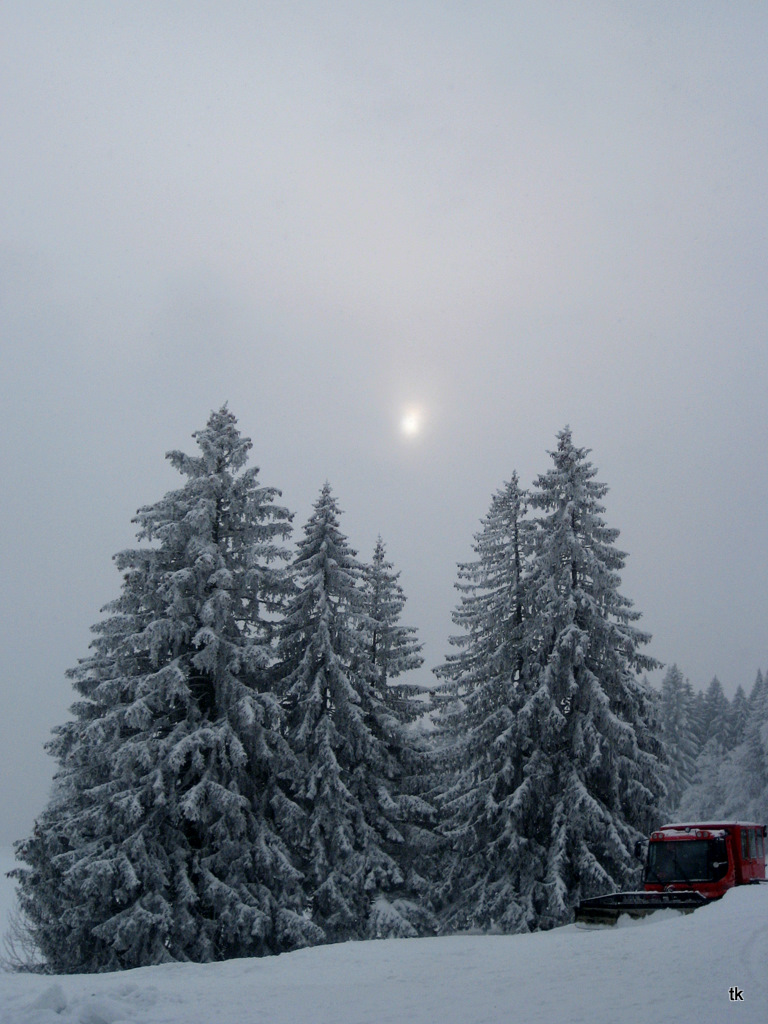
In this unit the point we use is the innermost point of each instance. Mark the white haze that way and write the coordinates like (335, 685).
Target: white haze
(511, 216)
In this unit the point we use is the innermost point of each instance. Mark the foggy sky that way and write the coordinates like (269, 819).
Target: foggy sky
(515, 216)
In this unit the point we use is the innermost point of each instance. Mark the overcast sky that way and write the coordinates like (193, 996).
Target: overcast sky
(507, 215)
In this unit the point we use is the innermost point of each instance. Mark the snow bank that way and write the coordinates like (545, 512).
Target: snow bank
(671, 969)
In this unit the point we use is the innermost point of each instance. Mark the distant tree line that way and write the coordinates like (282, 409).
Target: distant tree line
(716, 749)
(247, 769)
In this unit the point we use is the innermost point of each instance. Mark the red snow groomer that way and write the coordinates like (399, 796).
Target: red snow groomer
(686, 867)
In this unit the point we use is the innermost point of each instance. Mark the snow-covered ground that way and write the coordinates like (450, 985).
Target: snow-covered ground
(668, 968)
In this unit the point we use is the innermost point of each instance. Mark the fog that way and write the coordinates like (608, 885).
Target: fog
(510, 217)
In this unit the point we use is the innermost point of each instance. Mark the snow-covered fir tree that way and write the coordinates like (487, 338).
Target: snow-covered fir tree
(738, 716)
(347, 739)
(698, 719)
(705, 797)
(716, 720)
(593, 777)
(756, 694)
(680, 741)
(163, 840)
(745, 771)
(392, 649)
(486, 880)
(732, 783)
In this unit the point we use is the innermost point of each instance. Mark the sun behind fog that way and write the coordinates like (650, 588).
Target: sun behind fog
(411, 422)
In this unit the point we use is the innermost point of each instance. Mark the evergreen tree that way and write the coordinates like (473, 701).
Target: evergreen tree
(738, 716)
(392, 649)
(734, 783)
(699, 720)
(486, 880)
(745, 772)
(346, 739)
(705, 798)
(716, 720)
(163, 841)
(755, 700)
(679, 737)
(593, 779)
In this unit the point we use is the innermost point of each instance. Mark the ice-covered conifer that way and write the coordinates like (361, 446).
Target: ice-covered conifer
(734, 783)
(745, 772)
(716, 717)
(756, 694)
(738, 716)
(485, 881)
(342, 732)
(698, 720)
(163, 840)
(705, 796)
(680, 744)
(592, 778)
(392, 649)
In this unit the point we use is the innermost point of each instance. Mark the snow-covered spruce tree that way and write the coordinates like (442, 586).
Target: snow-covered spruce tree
(162, 841)
(716, 721)
(738, 716)
(704, 797)
(732, 783)
(346, 739)
(488, 875)
(392, 649)
(593, 776)
(680, 744)
(698, 720)
(756, 694)
(744, 774)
